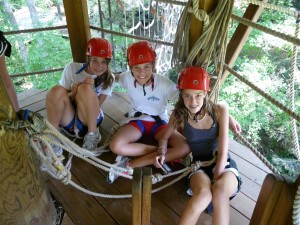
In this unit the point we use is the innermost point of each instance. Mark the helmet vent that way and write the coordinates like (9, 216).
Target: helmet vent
(141, 56)
(102, 52)
(195, 82)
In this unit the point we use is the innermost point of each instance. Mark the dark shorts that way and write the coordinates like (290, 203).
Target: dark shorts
(76, 123)
(209, 171)
(148, 128)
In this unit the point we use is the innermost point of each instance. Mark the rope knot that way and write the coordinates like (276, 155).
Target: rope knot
(195, 166)
(156, 178)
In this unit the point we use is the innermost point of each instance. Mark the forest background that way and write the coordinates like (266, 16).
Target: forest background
(265, 60)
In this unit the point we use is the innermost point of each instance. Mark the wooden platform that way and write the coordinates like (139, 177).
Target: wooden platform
(167, 204)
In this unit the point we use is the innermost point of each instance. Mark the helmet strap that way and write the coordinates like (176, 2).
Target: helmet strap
(195, 117)
(152, 84)
(84, 66)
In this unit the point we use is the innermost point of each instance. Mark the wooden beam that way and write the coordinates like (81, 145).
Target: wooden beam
(78, 27)
(146, 198)
(24, 198)
(196, 26)
(137, 196)
(240, 37)
(275, 201)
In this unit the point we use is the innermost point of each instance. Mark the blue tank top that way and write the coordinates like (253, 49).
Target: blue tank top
(202, 142)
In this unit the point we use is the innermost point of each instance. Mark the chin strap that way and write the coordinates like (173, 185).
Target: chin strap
(152, 84)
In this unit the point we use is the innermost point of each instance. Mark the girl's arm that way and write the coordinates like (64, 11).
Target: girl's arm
(163, 142)
(8, 83)
(223, 118)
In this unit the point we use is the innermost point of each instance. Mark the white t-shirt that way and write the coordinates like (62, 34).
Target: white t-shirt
(155, 101)
(69, 77)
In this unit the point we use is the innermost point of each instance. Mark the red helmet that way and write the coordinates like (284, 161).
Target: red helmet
(195, 78)
(140, 52)
(99, 47)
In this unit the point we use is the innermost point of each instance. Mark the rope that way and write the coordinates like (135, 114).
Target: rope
(296, 206)
(292, 12)
(131, 36)
(293, 40)
(34, 30)
(292, 94)
(36, 73)
(42, 136)
(264, 94)
(257, 153)
(210, 46)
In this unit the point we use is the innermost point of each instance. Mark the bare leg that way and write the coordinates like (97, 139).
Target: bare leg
(60, 110)
(222, 189)
(88, 106)
(177, 149)
(200, 184)
(124, 142)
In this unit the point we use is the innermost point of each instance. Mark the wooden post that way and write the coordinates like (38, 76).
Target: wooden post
(141, 196)
(275, 201)
(78, 27)
(137, 197)
(146, 198)
(24, 198)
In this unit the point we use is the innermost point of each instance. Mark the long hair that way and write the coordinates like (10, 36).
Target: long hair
(180, 111)
(106, 78)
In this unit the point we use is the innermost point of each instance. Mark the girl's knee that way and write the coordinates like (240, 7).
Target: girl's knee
(203, 194)
(57, 92)
(116, 146)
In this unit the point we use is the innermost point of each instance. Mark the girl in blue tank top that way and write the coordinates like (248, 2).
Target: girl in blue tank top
(205, 127)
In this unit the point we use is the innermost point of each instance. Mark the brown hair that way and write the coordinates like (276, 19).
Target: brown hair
(180, 111)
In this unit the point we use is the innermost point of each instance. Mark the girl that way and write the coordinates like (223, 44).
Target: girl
(205, 127)
(71, 105)
(149, 94)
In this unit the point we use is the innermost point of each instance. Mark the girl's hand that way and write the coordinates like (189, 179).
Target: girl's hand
(159, 160)
(75, 88)
(89, 80)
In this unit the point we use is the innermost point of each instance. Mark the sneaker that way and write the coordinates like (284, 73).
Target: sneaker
(91, 140)
(121, 161)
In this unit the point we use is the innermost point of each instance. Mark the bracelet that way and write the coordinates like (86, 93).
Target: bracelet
(162, 150)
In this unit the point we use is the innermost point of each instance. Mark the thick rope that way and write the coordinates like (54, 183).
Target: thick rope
(131, 36)
(42, 135)
(210, 47)
(292, 94)
(264, 94)
(296, 206)
(257, 153)
(249, 23)
(285, 10)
